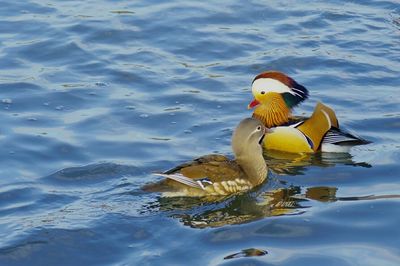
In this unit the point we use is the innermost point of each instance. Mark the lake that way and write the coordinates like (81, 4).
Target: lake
(95, 96)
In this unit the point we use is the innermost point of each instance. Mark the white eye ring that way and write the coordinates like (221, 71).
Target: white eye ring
(258, 128)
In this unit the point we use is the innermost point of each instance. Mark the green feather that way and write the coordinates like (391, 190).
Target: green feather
(291, 100)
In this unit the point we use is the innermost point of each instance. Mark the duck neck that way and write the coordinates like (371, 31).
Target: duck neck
(254, 167)
(274, 112)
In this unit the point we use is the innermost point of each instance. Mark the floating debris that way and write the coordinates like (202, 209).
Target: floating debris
(144, 115)
(250, 252)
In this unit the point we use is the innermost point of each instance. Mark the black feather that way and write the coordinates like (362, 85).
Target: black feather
(339, 137)
(301, 93)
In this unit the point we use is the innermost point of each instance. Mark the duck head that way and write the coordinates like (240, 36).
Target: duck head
(275, 94)
(247, 142)
(248, 137)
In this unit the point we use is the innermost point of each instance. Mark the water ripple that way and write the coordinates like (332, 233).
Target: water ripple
(98, 95)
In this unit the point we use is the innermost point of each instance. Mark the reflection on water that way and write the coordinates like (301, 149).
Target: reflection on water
(252, 206)
(271, 199)
(241, 208)
(296, 164)
(274, 198)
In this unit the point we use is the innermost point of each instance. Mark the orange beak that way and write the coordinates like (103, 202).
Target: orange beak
(253, 104)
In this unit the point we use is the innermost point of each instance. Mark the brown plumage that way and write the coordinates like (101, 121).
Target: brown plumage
(288, 81)
(217, 175)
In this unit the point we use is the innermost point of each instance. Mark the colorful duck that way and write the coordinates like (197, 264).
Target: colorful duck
(217, 175)
(275, 95)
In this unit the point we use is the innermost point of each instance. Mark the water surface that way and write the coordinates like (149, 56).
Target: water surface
(97, 95)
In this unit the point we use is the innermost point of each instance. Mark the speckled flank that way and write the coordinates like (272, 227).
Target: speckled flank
(216, 189)
(231, 186)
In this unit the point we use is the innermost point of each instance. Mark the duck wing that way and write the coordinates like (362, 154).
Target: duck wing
(316, 127)
(204, 171)
(211, 158)
(186, 180)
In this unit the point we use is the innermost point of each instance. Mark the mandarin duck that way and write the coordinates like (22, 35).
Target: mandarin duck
(217, 175)
(275, 95)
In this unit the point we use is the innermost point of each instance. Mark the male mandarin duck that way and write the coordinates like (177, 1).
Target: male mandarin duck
(275, 95)
(216, 175)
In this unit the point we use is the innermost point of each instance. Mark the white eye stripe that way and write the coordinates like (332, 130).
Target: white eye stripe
(258, 129)
(269, 85)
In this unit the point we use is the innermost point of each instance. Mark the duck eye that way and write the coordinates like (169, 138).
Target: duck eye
(262, 92)
(258, 128)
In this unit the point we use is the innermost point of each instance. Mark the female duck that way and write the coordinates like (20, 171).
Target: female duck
(217, 175)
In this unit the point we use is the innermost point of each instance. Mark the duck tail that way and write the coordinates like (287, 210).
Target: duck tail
(338, 137)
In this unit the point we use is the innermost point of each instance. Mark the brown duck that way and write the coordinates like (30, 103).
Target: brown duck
(217, 175)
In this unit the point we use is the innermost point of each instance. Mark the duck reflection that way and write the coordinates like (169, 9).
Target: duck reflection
(243, 208)
(274, 198)
(251, 206)
(284, 163)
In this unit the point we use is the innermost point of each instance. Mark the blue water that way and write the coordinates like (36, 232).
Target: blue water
(97, 95)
